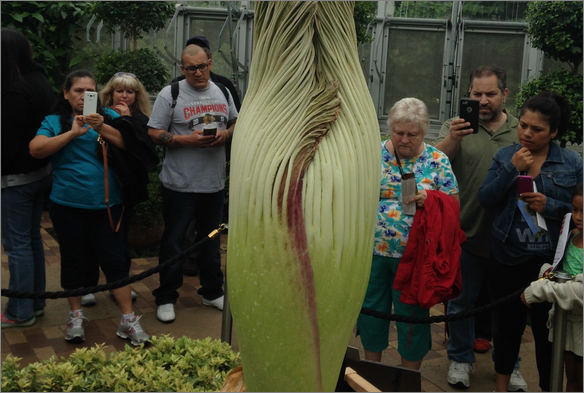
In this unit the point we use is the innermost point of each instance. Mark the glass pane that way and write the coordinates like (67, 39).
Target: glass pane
(212, 4)
(414, 68)
(423, 9)
(504, 11)
(365, 59)
(211, 28)
(551, 65)
(501, 50)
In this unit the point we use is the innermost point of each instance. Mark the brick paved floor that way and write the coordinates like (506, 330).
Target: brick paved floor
(46, 337)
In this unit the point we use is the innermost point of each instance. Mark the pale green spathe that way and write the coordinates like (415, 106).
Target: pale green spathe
(304, 194)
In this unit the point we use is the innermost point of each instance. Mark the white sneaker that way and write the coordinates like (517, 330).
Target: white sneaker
(517, 383)
(134, 295)
(215, 303)
(459, 374)
(88, 300)
(165, 313)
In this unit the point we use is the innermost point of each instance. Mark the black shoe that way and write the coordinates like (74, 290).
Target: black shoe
(190, 268)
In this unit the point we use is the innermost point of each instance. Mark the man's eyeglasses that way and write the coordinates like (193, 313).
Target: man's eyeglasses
(118, 74)
(193, 69)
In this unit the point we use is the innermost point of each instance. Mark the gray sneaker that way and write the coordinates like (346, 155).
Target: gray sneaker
(88, 300)
(517, 383)
(132, 330)
(75, 328)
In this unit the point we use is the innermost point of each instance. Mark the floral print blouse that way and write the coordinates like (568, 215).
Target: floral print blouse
(433, 172)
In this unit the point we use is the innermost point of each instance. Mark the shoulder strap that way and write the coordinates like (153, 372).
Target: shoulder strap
(106, 180)
(224, 90)
(174, 93)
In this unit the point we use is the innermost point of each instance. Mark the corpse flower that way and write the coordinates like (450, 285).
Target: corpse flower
(305, 186)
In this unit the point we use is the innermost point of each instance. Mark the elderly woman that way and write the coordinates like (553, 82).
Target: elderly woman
(405, 152)
(124, 95)
(518, 253)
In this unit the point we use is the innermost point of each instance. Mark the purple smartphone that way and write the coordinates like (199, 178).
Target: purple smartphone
(524, 184)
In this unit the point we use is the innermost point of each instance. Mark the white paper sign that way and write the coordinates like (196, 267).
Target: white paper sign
(563, 240)
(540, 220)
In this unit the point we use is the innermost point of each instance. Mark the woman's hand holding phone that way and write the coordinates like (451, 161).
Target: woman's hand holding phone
(95, 120)
(78, 127)
(535, 200)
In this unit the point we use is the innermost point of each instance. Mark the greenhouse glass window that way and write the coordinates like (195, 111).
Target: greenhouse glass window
(499, 49)
(414, 68)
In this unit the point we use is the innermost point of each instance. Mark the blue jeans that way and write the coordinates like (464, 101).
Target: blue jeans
(22, 207)
(178, 210)
(462, 333)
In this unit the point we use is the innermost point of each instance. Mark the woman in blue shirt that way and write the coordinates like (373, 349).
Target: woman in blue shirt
(78, 209)
(518, 252)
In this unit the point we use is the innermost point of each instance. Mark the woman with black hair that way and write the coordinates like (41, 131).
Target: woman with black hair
(78, 209)
(27, 97)
(520, 248)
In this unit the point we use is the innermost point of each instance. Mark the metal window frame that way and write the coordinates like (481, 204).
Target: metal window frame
(470, 26)
(413, 24)
(454, 29)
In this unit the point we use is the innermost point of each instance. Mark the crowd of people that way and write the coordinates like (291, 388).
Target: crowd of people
(96, 166)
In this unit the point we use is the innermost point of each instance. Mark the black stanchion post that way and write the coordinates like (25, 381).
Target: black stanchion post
(559, 344)
(227, 321)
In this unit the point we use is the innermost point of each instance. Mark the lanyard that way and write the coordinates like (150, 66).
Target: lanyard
(399, 166)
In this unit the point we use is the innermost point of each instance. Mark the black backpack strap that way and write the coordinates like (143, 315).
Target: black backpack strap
(224, 90)
(174, 93)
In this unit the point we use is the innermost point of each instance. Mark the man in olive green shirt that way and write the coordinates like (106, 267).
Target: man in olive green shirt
(471, 155)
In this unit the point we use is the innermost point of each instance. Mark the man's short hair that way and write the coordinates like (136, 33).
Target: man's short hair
(488, 71)
(193, 49)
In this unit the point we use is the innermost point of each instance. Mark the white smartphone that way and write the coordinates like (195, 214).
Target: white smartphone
(89, 103)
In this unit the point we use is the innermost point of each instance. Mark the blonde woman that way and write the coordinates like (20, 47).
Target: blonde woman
(124, 95)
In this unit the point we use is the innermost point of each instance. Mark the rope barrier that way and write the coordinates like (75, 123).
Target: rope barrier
(442, 318)
(117, 284)
(181, 257)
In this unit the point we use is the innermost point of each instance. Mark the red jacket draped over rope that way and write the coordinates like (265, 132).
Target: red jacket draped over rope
(429, 270)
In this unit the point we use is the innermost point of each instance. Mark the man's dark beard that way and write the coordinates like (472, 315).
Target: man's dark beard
(491, 116)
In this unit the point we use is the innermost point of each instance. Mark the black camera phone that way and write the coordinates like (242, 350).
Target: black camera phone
(469, 111)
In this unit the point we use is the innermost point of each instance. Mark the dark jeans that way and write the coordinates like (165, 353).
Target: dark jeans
(86, 238)
(543, 346)
(510, 318)
(483, 321)
(178, 210)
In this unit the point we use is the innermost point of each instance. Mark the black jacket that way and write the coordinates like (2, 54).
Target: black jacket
(24, 106)
(133, 164)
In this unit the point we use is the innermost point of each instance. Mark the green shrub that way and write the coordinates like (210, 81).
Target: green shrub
(565, 83)
(148, 214)
(185, 365)
(145, 63)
